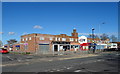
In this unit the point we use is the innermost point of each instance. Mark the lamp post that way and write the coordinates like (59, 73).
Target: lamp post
(93, 46)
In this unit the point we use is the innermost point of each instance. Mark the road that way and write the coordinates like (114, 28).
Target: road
(106, 62)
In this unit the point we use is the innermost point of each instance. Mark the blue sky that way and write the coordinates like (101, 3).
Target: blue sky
(54, 18)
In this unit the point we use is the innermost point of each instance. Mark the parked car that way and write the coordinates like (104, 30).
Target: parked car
(3, 50)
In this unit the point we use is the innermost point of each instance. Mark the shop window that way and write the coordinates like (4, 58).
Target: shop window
(17, 47)
(41, 38)
(5, 46)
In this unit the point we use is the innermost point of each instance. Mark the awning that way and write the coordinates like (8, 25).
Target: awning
(85, 44)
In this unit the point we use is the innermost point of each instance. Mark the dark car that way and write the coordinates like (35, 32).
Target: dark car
(3, 50)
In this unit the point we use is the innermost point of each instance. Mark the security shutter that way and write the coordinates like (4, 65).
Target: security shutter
(43, 48)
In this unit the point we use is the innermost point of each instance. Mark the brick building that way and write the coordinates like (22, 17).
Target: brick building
(46, 43)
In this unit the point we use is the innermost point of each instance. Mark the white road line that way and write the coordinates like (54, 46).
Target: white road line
(58, 70)
(50, 60)
(77, 70)
(51, 71)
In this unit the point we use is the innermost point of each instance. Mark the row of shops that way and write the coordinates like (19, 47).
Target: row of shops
(60, 46)
(45, 43)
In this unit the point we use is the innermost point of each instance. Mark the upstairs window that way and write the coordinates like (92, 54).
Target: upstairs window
(71, 39)
(76, 39)
(51, 38)
(22, 39)
(29, 38)
(56, 39)
(41, 38)
(59, 39)
(63, 39)
(26, 39)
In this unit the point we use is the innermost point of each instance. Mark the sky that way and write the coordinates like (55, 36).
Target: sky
(19, 18)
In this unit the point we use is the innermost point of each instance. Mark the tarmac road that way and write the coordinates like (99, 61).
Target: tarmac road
(106, 62)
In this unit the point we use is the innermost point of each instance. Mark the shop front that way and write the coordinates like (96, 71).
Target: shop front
(75, 46)
(60, 46)
(85, 46)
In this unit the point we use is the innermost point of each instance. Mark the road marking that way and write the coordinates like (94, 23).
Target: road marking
(9, 58)
(98, 60)
(58, 70)
(61, 69)
(77, 70)
(69, 67)
(51, 71)
(14, 64)
(50, 60)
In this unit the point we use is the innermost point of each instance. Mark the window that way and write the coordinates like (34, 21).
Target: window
(76, 39)
(51, 38)
(82, 40)
(26, 39)
(56, 39)
(71, 39)
(22, 39)
(17, 47)
(26, 47)
(88, 40)
(63, 39)
(41, 38)
(29, 38)
(59, 39)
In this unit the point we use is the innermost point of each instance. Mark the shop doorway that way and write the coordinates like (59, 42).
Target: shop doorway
(55, 47)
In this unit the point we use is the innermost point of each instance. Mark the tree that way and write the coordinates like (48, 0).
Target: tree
(11, 42)
(91, 35)
(1, 44)
(104, 36)
(113, 38)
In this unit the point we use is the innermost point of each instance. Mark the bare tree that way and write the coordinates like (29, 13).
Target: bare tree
(104, 36)
(91, 35)
(1, 44)
(113, 38)
(11, 42)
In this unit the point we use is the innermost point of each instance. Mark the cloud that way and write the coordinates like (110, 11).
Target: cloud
(24, 33)
(83, 33)
(37, 27)
(89, 34)
(1, 32)
(11, 33)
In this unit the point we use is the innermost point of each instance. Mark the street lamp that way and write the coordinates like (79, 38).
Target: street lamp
(93, 40)
(93, 35)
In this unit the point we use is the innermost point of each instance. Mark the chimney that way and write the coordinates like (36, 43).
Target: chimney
(74, 34)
